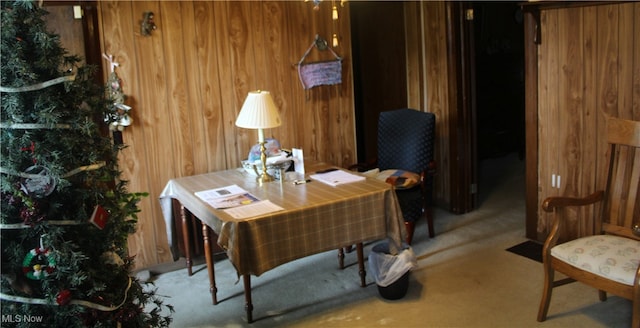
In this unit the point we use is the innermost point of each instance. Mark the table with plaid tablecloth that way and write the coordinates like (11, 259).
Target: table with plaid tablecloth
(317, 217)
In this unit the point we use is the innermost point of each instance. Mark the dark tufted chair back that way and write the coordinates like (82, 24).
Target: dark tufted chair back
(405, 139)
(405, 142)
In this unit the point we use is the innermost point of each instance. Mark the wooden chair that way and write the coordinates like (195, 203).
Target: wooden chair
(609, 260)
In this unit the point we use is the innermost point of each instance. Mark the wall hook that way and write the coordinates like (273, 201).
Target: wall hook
(321, 43)
(147, 23)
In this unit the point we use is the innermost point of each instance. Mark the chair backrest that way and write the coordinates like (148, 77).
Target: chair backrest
(621, 208)
(406, 139)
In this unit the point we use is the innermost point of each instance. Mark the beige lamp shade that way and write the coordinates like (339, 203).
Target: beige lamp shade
(258, 112)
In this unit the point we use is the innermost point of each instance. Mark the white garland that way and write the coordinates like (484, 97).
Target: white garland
(26, 226)
(77, 170)
(33, 126)
(39, 86)
(42, 301)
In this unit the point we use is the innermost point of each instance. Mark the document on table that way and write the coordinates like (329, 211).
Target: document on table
(337, 177)
(226, 197)
(253, 209)
(237, 202)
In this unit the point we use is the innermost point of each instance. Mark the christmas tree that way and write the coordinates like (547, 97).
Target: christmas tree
(65, 213)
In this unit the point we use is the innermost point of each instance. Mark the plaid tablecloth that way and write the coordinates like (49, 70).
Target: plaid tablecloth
(316, 217)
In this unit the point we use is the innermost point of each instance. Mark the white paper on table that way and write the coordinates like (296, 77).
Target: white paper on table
(225, 197)
(253, 209)
(337, 177)
(220, 192)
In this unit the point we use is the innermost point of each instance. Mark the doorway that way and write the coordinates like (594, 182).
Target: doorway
(76, 23)
(495, 43)
(500, 90)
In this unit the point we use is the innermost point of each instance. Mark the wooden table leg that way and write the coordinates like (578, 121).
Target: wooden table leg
(248, 306)
(208, 254)
(341, 258)
(185, 238)
(361, 264)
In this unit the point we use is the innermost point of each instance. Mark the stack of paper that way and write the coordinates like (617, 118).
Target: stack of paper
(237, 202)
(337, 177)
(226, 197)
(254, 209)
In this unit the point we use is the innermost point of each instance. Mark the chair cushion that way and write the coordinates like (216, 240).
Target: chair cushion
(612, 257)
(401, 179)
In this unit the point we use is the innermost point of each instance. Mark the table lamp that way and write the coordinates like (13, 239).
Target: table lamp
(259, 112)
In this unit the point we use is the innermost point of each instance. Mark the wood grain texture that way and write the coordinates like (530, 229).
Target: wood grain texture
(117, 20)
(187, 81)
(588, 68)
(176, 83)
(211, 30)
(70, 32)
(154, 126)
(635, 39)
(589, 140)
(435, 97)
(191, 122)
(547, 108)
(532, 121)
(569, 119)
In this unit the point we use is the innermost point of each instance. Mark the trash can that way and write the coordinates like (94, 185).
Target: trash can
(396, 290)
(391, 272)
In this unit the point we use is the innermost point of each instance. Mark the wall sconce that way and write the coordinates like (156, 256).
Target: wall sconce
(147, 24)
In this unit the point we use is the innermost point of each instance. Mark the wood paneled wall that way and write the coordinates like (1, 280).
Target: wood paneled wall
(429, 87)
(187, 81)
(589, 69)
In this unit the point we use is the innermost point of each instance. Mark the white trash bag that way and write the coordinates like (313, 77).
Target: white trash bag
(387, 268)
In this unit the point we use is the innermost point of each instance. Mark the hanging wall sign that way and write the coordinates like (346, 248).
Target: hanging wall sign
(320, 73)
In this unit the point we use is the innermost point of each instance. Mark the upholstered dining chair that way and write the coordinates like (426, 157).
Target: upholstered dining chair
(405, 145)
(609, 260)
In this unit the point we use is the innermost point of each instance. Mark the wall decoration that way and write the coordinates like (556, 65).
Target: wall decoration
(320, 73)
(147, 25)
(118, 118)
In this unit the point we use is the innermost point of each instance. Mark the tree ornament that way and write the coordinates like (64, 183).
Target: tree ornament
(31, 149)
(99, 217)
(39, 183)
(119, 117)
(63, 297)
(38, 263)
(113, 258)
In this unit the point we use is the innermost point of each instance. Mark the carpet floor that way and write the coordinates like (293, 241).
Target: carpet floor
(465, 278)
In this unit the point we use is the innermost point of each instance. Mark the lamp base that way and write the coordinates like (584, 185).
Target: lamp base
(264, 177)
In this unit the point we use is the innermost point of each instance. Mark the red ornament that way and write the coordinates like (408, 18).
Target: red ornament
(32, 149)
(99, 217)
(63, 297)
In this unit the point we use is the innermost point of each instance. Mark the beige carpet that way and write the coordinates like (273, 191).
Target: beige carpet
(465, 278)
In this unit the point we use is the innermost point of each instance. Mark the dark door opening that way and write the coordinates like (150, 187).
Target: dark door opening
(500, 106)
